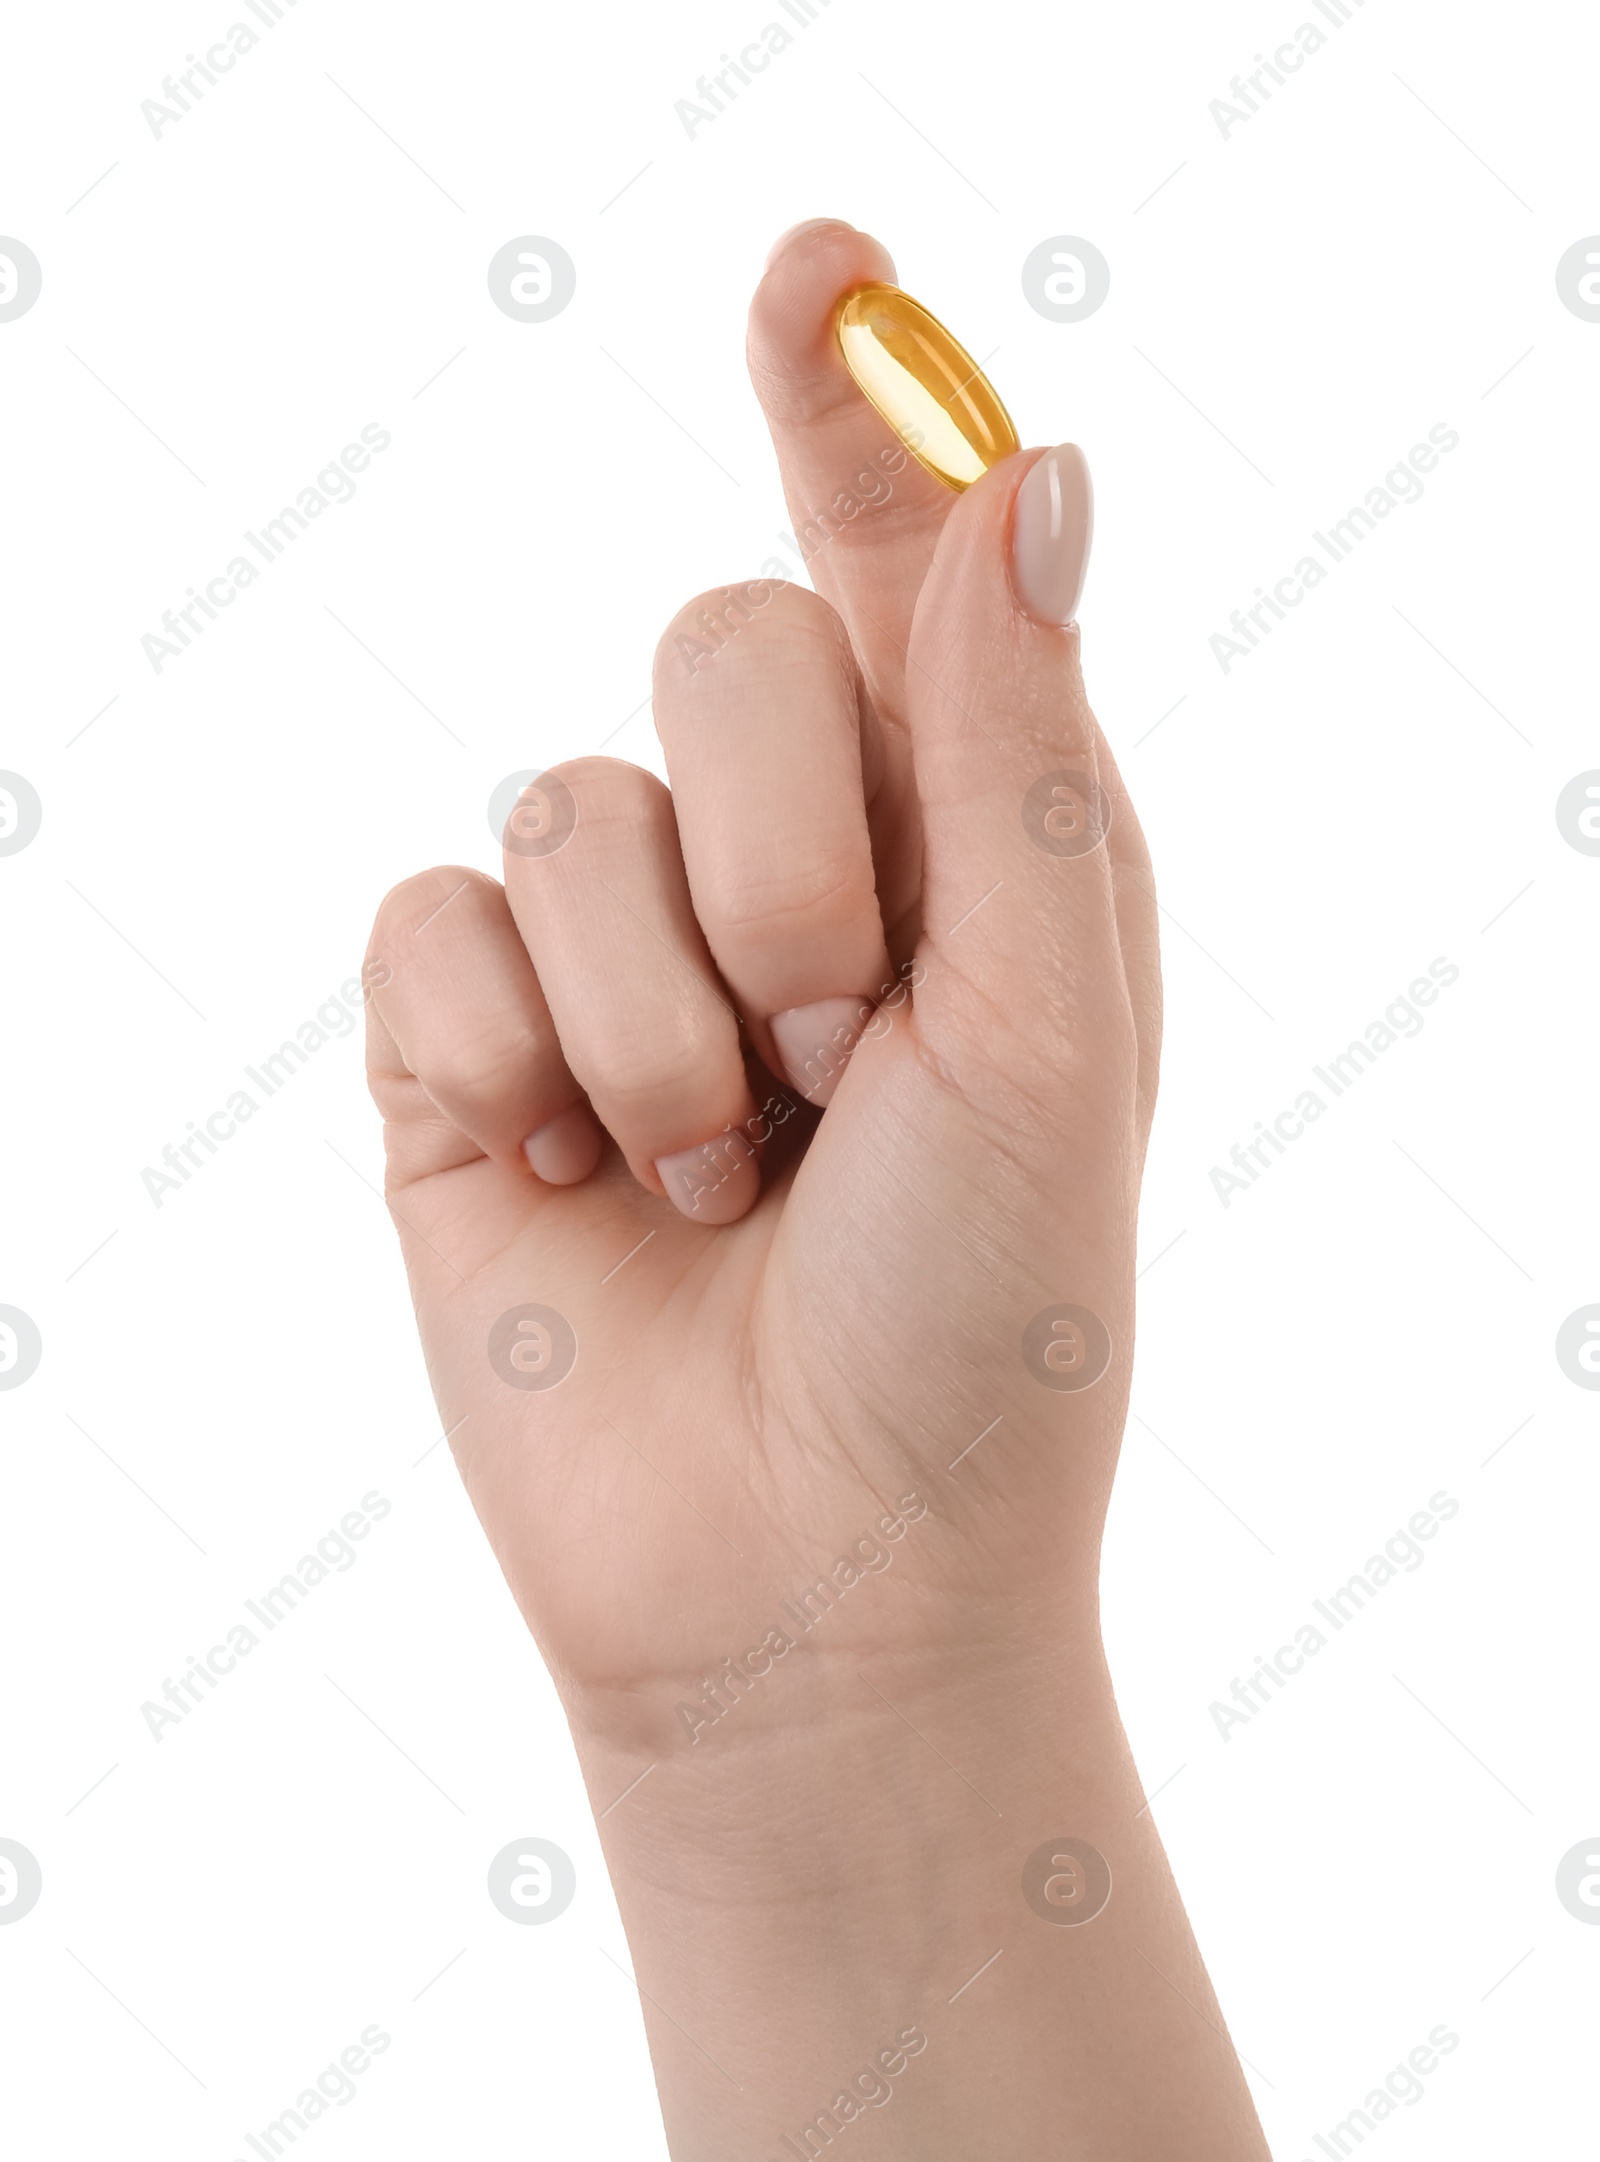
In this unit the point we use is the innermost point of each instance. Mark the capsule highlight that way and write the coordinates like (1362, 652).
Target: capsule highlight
(927, 387)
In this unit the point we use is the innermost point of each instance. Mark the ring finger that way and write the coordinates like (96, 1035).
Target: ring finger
(644, 1024)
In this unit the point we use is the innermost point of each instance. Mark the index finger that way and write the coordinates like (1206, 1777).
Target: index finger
(866, 514)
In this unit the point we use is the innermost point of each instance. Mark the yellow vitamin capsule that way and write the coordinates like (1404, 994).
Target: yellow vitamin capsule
(929, 389)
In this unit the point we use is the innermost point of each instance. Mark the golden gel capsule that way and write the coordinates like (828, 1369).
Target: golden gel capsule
(930, 390)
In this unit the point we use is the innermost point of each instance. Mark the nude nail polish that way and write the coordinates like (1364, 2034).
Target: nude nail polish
(713, 1183)
(815, 1042)
(566, 1148)
(1052, 524)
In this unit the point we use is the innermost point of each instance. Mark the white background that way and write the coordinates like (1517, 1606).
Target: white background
(1374, 787)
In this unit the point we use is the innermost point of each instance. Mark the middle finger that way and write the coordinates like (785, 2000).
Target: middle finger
(764, 737)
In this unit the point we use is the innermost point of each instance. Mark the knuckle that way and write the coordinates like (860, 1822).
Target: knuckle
(765, 619)
(820, 899)
(609, 788)
(493, 1066)
(631, 1071)
(410, 903)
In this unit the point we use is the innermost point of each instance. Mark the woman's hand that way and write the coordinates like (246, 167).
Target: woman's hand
(793, 1427)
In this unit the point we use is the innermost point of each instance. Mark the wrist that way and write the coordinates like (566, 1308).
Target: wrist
(809, 1685)
(848, 1894)
(840, 1774)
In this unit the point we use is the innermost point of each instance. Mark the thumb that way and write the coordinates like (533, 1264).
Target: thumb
(1023, 981)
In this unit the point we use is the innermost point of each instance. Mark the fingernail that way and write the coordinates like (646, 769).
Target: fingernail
(566, 1148)
(815, 1042)
(713, 1183)
(806, 225)
(1052, 524)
